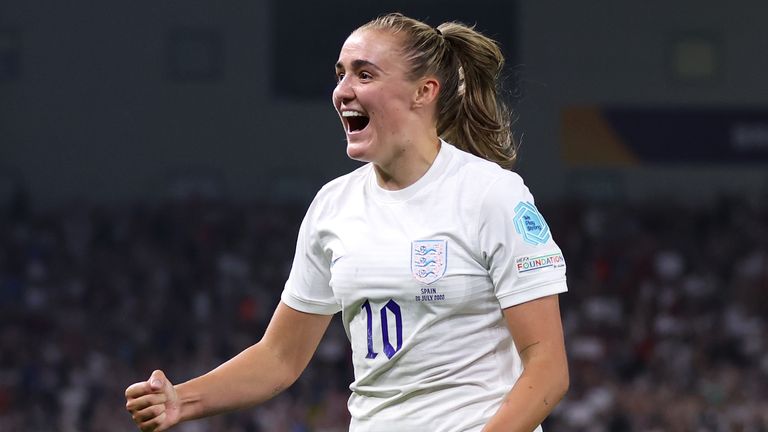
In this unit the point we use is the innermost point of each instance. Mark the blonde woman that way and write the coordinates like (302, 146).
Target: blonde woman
(445, 273)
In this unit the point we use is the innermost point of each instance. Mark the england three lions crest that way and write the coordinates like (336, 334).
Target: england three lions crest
(428, 260)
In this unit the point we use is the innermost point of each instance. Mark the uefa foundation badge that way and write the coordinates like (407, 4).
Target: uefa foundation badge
(428, 260)
(533, 264)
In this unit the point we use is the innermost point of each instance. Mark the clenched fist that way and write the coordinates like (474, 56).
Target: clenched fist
(154, 404)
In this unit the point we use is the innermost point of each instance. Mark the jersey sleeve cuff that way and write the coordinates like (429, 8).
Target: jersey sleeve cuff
(309, 306)
(533, 293)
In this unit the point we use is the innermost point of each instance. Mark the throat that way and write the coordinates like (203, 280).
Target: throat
(357, 123)
(401, 172)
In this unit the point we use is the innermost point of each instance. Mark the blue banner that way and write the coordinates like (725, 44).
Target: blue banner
(630, 136)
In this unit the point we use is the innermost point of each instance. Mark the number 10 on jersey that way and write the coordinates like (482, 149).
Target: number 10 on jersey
(391, 307)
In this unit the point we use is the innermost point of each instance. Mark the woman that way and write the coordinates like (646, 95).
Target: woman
(444, 271)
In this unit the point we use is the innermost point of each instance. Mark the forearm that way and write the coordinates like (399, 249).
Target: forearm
(253, 376)
(535, 394)
(259, 372)
(537, 330)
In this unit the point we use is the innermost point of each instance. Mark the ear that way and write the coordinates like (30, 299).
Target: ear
(426, 92)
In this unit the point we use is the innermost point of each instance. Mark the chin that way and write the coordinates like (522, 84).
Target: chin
(358, 151)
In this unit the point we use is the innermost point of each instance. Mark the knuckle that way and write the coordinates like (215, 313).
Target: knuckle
(132, 405)
(149, 425)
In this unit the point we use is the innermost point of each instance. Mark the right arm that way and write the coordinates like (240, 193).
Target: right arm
(255, 375)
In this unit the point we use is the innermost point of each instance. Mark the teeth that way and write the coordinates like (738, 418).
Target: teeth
(352, 114)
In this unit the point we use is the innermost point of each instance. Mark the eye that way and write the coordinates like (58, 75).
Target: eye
(339, 76)
(365, 76)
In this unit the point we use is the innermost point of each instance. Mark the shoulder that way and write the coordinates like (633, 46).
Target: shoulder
(487, 176)
(343, 184)
(339, 191)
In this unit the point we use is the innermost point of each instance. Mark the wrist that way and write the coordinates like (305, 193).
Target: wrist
(189, 402)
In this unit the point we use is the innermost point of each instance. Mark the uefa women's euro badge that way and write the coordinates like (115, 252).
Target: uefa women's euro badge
(428, 260)
(530, 224)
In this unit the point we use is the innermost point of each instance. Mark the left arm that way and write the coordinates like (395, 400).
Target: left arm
(537, 331)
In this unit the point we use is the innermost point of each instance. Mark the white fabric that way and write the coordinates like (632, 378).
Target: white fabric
(355, 254)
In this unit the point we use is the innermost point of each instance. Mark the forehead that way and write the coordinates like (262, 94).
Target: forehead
(376, 46)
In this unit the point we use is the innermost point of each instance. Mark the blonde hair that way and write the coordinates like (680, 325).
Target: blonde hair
(470, 112)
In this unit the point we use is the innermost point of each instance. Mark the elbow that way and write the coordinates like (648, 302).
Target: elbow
(293, 375)
(285, 372)
(563, 383)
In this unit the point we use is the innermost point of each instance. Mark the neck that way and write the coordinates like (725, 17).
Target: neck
(408, 165)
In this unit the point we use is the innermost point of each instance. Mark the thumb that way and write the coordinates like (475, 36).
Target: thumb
(157, 381)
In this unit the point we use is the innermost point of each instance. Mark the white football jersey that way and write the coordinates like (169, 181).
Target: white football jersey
(421, 276)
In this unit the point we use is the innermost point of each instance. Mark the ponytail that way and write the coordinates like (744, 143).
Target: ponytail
(481, 123)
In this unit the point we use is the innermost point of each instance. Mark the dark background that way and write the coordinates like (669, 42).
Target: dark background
(156, 158)
(116, 101)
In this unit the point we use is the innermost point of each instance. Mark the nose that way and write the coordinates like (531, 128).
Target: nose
(343, 91)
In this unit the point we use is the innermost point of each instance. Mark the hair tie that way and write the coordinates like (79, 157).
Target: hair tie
(438, 31)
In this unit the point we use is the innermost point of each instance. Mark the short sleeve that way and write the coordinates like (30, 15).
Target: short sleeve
(522, 258)
(308, 286)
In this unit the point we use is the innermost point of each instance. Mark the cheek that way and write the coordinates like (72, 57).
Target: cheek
(392, 115)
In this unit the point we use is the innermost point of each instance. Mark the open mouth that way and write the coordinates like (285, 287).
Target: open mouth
(356, 121)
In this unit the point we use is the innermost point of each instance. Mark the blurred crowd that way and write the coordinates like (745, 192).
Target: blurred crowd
(666, 317)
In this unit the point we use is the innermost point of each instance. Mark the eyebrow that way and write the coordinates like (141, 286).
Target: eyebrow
(358, 64)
